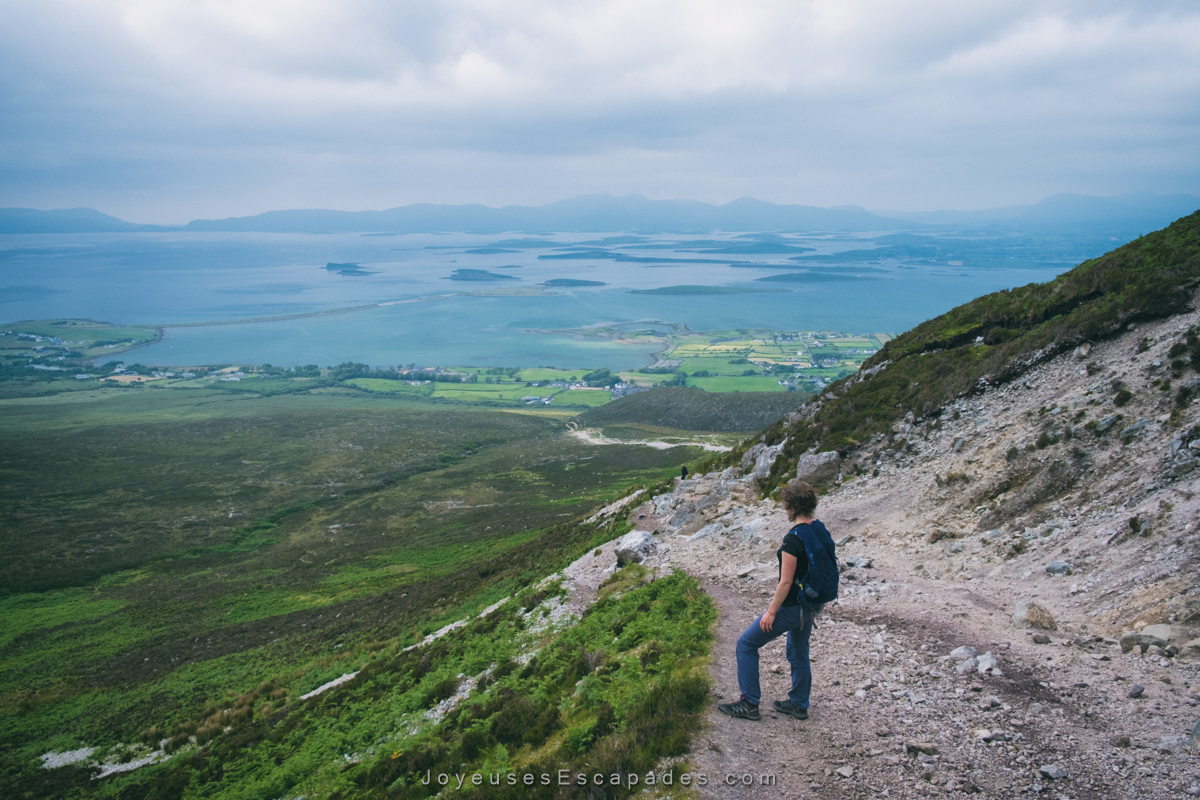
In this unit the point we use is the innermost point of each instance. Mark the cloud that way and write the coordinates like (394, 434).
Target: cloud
(155, 104)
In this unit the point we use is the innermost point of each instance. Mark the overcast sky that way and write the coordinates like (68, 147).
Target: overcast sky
(168, 110)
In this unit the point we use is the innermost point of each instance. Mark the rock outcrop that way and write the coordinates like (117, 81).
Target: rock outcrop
(759, 458)
(819, 468)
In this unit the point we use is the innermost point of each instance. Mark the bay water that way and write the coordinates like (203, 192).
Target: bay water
(410, 311)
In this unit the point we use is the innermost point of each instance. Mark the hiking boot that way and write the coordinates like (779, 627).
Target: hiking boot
(786, 707)
(742, 709)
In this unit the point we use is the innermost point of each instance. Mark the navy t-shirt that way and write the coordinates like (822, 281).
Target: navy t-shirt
(793, 546)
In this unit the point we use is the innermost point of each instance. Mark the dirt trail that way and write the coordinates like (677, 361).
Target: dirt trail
(941, 564)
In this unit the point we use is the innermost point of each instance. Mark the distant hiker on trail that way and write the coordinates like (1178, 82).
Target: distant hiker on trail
(807, 567)
(683, 473)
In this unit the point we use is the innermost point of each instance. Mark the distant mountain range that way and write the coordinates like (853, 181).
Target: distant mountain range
(66, 220)
(585, 214)
(1137, 213)
(1123, 215)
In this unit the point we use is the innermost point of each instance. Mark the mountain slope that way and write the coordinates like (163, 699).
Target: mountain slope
(66, 220)
(1069, 480)
(993, 340)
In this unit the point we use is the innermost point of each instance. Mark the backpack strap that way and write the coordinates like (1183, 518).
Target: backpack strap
(795, 531)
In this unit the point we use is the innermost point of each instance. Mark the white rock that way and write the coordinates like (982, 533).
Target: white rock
(52, 759)
(336, 682)
(706, 531)
(640, 543)
(755, 530)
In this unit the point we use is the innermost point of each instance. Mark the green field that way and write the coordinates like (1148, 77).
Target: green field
(165, 547)
(582, 397)
(738, 384)
(480, 392)
(742, 360)
(391, 387)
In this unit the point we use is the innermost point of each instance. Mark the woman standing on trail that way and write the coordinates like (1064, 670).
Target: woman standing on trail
(789, 612)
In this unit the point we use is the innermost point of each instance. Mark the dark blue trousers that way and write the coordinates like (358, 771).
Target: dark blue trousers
(797, 623)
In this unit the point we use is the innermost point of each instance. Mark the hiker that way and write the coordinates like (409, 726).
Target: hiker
(683, 473)
(790, 611)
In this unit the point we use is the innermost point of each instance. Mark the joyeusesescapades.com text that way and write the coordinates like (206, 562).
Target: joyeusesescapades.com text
(565, 777)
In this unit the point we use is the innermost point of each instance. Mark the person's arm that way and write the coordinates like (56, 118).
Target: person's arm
(787, 571)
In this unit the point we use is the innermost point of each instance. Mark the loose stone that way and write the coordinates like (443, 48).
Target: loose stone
(1053, 771)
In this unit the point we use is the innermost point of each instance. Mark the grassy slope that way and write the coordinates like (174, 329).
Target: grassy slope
(615, 693)
(923, 369)
(689, 409)
(136, 598)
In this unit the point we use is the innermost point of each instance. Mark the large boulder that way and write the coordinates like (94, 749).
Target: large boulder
(1029, 614)
(819, 468)
(684, 517)
(635, 547)
(1162, 631)
(759, 458)
(664, 504)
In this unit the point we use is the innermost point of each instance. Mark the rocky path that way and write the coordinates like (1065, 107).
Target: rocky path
(892, 715)
(900, 707)
(1044, 491)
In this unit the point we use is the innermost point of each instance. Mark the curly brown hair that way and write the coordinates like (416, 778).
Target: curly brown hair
(799, 498)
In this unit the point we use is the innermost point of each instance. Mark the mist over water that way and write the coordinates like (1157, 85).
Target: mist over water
(180, 278)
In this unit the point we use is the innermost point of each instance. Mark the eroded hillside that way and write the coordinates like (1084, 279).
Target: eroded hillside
(1074, 488)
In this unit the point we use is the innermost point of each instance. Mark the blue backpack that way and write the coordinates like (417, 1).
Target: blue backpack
(820, 584)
